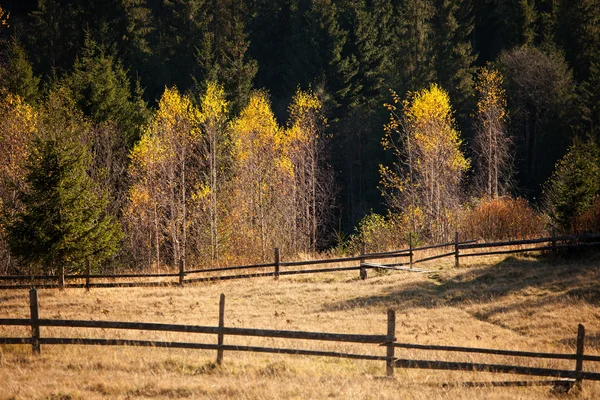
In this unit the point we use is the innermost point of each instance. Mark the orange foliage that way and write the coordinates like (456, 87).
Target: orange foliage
(589, 220)
(502, 219)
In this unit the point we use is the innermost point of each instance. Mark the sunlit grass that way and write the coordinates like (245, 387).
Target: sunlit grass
(524, 303)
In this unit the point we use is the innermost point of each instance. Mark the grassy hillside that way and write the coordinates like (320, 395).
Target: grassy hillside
(524, 303)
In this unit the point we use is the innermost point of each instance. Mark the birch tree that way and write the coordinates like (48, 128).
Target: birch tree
(313, 179)
(430, 165)
(215, 140)
(492, 143)
(262, 179)
(164, 167)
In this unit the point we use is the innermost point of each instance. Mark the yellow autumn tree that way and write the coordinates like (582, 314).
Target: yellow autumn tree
(213, 118)
(313, 179)
(18, 124)
(491, 144)
(166, 185)
(430, 164)
(262, 180)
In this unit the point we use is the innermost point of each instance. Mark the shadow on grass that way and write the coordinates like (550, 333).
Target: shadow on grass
(550, 280)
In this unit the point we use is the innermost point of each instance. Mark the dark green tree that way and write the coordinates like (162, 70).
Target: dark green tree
(16, 73)
(574, 183)
(517, 21)
(578, 33)
(454, 55)
(414, 49)
(63, 223)
(58, 29)
(223, 54)
(102, 90)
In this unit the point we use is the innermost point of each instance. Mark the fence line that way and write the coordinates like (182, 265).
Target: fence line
(280, 267)
(388, 341)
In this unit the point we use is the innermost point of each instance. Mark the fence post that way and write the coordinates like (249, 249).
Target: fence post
(410, 249)
(554, 250)
(391, 337)
(363, 270)
(220, 332)
(579, 355)
(456, 255)
(61, 278)
(87, 275)
(181, 271)
(276, 254)
(35, 326)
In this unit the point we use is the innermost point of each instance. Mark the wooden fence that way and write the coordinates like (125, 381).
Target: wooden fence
(574, 376)
(278, 268)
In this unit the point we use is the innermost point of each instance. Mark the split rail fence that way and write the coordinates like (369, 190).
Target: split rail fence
(388, 341)
(457, 249)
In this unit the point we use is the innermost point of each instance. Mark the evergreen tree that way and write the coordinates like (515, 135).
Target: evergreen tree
(102, 90)
(58, 30)
(454, 56)
(63, 223)
(578, 33)
(16, 73)
(414, 51)
(223, 55)
(574, 183)
(517, 21)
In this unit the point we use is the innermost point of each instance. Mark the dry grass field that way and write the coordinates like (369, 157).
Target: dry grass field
(521, 303)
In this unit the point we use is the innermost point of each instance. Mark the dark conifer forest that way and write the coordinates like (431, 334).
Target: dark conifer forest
(149, 133)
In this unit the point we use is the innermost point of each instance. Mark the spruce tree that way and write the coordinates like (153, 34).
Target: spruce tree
(102, 90)
(16, 73)
(63, 223)
(574, 183)
(454, 56)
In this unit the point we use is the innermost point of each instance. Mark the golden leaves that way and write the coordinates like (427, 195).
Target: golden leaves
(4, 16)
(492, 97)
(17, 127)
(429, 115)
(214, 106)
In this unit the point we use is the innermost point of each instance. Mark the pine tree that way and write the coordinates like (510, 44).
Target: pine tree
(574, 184)
(63, 223)
(16, 73)
(102, 90)
(414, 50)
(454, 57)
(578, 33)
(223, 54)
(517, 21)
(540, 94)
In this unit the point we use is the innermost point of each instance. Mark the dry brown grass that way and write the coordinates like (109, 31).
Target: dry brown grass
(523, 303)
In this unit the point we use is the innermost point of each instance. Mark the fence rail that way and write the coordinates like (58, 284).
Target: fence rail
(460, 249)
(387, 341)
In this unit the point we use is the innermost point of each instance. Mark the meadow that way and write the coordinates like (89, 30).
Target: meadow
(526, 302)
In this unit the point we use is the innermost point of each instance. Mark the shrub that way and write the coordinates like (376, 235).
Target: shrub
(503, 218)
(589, 220)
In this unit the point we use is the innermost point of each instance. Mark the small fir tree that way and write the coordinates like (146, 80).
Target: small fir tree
(63, 222)
(574, 183)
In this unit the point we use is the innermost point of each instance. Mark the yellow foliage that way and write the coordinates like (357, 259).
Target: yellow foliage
(306, 116)
(202, 192)
(175, 125)
(256, 129)
(214, 105)
(17, 127)
(176, 115)
(492, 97)
(4, 16)
(429, 116)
